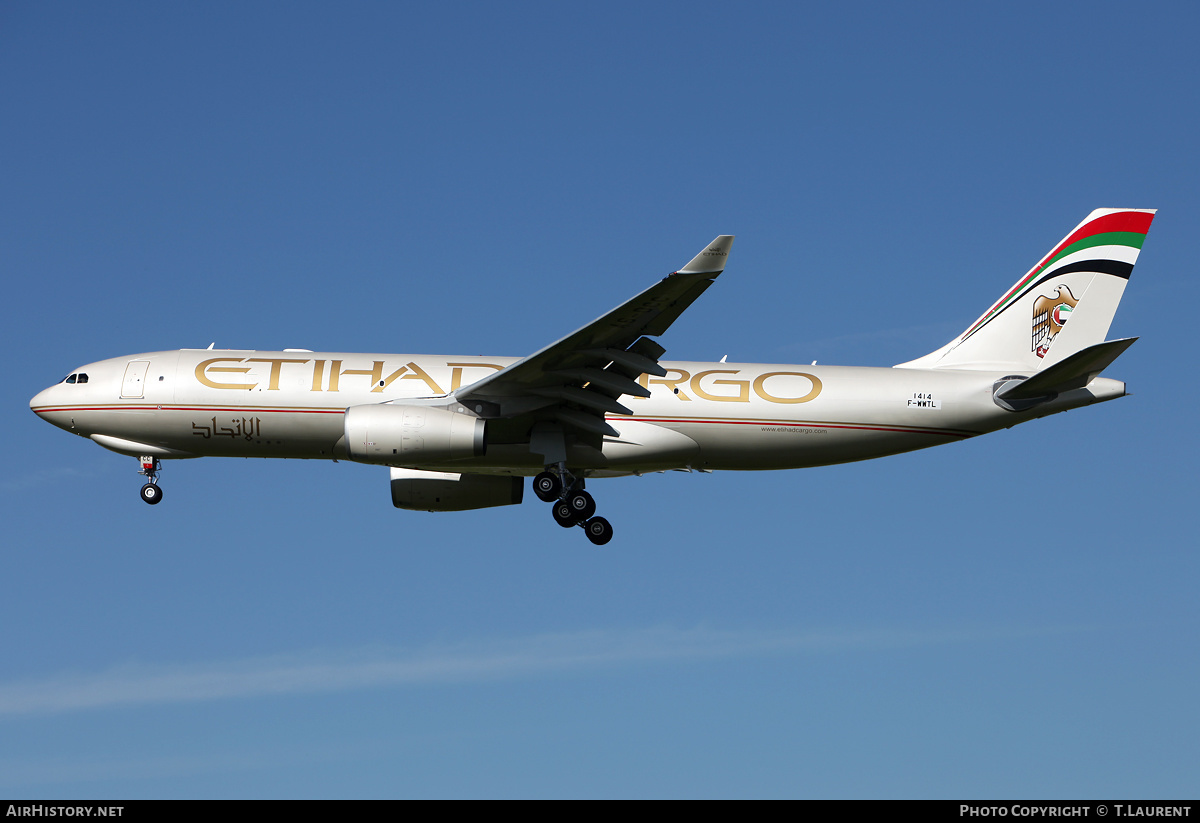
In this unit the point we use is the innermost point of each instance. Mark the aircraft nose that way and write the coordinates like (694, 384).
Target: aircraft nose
(40, 400)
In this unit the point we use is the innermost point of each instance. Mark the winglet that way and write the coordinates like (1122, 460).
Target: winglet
(712, 259)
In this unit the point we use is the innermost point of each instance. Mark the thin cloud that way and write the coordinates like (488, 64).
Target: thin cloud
(323, 672)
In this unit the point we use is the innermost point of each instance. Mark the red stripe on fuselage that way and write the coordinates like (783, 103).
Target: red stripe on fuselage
(815, 425)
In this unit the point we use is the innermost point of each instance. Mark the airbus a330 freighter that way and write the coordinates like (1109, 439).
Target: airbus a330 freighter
(462, 432)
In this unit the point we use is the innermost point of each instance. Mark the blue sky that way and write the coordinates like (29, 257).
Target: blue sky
(1009, 616)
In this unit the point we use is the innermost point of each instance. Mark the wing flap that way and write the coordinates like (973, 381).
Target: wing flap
(631, 360)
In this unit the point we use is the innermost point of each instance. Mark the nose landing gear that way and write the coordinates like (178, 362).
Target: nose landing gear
(151, 493)
(572, 505)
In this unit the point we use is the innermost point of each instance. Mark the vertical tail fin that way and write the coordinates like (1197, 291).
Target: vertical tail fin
(1081, 280)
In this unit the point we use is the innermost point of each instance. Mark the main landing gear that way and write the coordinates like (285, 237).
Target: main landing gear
(572, 505)
(151, 493)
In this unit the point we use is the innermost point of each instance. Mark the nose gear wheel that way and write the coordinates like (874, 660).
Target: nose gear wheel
(151, 493)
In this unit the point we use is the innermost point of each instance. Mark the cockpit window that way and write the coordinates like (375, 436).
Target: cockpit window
(82, 378)
(70, 379)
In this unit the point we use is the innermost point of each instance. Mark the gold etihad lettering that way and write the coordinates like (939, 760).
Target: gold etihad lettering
(276, 365)
(457, 370)
(418, 373)
(335, 376)
(387, 381)
(702, 384)
(207, 373)
(207, 366)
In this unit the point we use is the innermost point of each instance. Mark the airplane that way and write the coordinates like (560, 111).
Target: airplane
(460, 432)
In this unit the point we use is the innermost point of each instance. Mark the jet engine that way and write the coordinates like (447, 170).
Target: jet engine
(392, 434)
(446, 492)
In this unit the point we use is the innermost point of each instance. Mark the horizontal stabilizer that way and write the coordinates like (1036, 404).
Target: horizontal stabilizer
(1073, 372)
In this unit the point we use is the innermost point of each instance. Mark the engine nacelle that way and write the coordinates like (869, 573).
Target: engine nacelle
(389, 433)
(446, 492)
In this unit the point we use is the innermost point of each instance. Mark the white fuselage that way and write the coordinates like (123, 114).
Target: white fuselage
(739, 416)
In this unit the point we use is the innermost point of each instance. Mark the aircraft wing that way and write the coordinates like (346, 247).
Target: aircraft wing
(581, 376)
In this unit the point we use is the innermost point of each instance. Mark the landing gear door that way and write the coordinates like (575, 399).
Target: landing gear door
(134, 384)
